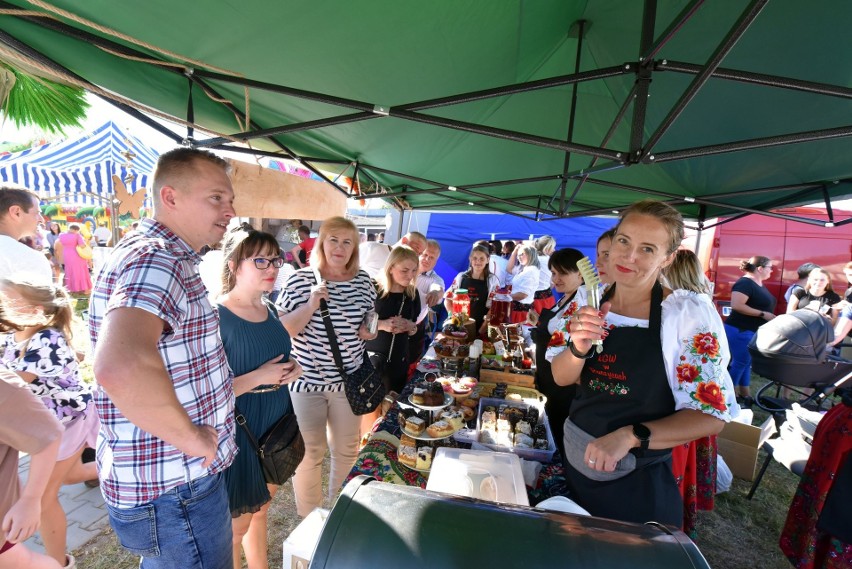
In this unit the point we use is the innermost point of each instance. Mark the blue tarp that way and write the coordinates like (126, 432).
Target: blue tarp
(456, 232)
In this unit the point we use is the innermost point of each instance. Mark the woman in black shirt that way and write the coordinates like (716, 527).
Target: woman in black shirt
(751, 306)
(817, 295)
(397, 305)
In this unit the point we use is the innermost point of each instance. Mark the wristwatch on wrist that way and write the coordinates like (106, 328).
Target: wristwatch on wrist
(642, 433)
(761, 314)
(578, 354)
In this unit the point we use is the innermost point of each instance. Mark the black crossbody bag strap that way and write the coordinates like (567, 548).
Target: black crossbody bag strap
(329, 330)
(241, 421)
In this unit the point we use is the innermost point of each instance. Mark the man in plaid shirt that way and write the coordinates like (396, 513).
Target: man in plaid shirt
(165, 397)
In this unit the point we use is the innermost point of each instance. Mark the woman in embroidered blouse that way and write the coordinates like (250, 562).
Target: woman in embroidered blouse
(658, 382)
(524, 281)
(543, 300)
(551, 334)
(325, 418)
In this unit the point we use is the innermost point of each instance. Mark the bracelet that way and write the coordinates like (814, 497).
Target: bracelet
(588, 355)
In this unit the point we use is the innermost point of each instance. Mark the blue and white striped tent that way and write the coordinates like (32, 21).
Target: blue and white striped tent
(66, 171)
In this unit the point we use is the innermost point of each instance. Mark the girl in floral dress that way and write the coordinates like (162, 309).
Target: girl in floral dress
(40, 353)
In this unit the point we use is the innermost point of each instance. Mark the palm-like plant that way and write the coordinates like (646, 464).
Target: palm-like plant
(31, 100)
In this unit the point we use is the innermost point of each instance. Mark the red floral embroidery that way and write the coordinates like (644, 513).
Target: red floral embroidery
(710, 393)
(687, 373)
(706, 344)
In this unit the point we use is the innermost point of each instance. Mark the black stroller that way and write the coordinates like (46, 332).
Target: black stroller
(791, 351)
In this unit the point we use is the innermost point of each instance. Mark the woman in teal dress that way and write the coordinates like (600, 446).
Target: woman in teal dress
(258, 351)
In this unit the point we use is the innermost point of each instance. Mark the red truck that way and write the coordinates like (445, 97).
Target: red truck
(788, 243)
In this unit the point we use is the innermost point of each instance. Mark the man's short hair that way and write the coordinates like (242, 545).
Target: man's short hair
(431, 243)
(11, 195)
(804, 270)
(496, 247)
(305, 230)
(175, 163)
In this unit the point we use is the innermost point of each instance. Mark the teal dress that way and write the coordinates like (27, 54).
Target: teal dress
(248, 345)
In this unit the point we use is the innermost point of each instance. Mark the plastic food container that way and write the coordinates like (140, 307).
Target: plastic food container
(541, 455)
(485, 475)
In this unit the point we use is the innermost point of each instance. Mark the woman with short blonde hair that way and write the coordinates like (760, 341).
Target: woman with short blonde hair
(325, 418)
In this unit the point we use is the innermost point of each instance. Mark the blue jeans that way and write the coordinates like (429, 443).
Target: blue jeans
(740, 368)
(188, 527)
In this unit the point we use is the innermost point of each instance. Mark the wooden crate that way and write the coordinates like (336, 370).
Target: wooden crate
(497, 376)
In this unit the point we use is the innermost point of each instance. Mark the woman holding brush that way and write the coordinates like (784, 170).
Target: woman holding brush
(656, 382)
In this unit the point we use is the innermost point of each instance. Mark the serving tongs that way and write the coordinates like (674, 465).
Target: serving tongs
(594, 288)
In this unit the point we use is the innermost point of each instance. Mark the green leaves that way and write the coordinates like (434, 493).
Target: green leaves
(30, 100)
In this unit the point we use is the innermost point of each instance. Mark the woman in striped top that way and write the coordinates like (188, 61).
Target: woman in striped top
(325, 418)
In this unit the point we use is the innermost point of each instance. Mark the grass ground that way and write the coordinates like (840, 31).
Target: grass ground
(737, 534)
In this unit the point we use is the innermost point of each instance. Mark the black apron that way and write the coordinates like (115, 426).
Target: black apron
(626, 384)
(477, 290)
(559, 397)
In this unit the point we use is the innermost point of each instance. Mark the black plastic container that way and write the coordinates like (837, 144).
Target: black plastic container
(374, 524)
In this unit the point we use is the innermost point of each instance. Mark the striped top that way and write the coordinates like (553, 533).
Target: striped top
(154, 270)
(348, 302)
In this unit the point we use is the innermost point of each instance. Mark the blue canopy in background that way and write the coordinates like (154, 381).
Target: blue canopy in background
(456, 232)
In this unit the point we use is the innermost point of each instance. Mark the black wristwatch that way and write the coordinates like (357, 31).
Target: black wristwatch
(642, 433)
(580, 355)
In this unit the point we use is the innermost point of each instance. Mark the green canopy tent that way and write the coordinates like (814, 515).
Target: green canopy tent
(539, 108)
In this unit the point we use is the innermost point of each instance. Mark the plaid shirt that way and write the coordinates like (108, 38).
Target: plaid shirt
(156, 271)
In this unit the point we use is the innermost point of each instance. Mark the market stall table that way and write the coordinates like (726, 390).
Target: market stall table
(378, 458)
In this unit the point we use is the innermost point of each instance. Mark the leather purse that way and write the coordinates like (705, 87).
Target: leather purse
(280, 450)
(364, 387)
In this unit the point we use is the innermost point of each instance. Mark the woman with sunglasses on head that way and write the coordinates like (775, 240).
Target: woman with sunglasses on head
(524, 281)
(258, 351)
(656, 382)
(751, 306)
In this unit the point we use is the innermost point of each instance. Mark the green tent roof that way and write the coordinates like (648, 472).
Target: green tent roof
(549, 108)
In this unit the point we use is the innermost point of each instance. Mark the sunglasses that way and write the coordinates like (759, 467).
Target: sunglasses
(262, 263)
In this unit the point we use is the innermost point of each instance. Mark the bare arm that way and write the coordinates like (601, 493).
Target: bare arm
(738, 303)
(844, 325)
(22, 519)
(131, 371)
(273, 372)
(295, 252)
(678, 428)
(57, 251)
(793, 305)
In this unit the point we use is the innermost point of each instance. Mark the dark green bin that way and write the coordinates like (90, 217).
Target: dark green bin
(374, 524)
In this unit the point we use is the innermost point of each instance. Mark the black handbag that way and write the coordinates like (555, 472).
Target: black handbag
(280, 450)
(364, 387)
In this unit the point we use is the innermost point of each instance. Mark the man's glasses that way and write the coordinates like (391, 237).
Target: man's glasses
(263, 264)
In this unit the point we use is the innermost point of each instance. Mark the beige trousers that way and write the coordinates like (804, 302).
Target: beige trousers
(326, 422)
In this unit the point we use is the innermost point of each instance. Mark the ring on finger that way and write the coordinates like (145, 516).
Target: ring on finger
(591, 461)
(579, 324)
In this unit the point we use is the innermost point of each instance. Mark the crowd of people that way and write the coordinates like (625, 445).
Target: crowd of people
(637, 387)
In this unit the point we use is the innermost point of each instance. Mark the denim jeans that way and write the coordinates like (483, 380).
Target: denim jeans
(740, 368)
(188, 527)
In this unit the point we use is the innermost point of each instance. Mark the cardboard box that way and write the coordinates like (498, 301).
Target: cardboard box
(739, 445)
(497, 376)
(299, 545)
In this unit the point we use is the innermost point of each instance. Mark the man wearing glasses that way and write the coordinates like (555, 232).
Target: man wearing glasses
(165, 397)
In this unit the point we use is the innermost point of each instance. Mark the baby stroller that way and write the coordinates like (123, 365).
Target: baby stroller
(791, 351)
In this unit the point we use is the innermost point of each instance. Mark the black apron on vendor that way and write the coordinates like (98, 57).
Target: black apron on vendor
(559, 397)
(477, 290)
(626, 384)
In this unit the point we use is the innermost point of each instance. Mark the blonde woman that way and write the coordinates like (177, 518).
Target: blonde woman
(325, 418)
(543, 298)
(397, 306)
(817, 295)
(524, 282)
